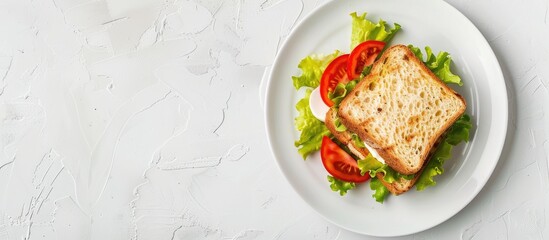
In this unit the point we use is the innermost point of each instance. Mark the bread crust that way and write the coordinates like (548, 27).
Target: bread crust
(400, 187)
(362, 126)
(403, 185)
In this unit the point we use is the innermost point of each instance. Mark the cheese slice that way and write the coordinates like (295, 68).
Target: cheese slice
(374, 153)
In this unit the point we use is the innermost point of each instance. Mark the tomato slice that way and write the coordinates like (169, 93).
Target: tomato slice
(339, 163)
(335, 73)
(363, 55)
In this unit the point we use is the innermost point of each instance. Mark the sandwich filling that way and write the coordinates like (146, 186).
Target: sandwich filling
(374, 153)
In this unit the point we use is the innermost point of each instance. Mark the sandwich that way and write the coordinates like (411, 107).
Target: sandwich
(380, 113)
(397, 115)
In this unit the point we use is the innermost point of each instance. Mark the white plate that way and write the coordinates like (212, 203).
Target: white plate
(431, 23)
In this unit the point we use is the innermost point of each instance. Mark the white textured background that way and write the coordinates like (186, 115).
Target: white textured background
(142, 119)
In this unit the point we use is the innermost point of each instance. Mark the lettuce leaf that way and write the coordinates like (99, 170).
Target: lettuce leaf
(312, 68)
(312, 130)
(369, 165)
(357, 141)
(380, 191)
(457, 133)
(339, 126)
(366, 71)
(372, 166)
(340, 92)
(363, 29)
(340, 186)
(439, 65)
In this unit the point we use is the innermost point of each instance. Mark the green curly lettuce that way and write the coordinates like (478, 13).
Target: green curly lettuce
(439, 64)
(457, 133)
(340, 92)
(312, 68)
(363, 29)
(357, 141)
(312, 130)
(372, 166)
(380, 191)
(340, 186)
(339, 126)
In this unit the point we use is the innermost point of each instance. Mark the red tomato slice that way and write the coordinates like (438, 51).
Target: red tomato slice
(339, 163)
(335, 73)
(363, 55)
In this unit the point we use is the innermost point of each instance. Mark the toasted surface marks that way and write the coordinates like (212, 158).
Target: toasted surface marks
(401, 108)
(397, 187)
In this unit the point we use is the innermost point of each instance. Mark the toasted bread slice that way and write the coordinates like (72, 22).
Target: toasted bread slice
(401, 109)
(397, 187)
